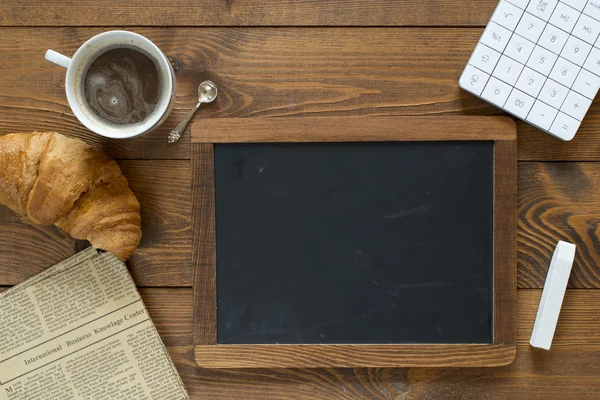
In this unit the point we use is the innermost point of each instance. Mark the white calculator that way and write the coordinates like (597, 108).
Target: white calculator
(539, 60)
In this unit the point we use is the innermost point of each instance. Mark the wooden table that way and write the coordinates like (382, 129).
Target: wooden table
(309, 58)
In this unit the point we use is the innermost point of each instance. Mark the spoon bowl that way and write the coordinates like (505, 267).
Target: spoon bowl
(207, 92)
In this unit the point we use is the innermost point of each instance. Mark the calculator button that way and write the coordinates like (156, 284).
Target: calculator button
(519, 48)
(564, 72)
(508, 70)
(542, 115)
(473, 80)
(597, 42)
(530, 27)
(587, 84)
(553, 39)
(576, 4)
(530, 82)
(576, 50)
(564, 127)
(484, 58)
(553, 93)
(592, 9)
(496, 92)
(587, 29)
(522, 4)
(564, 17)
(592, 63)
(507, 15)
(542, 8)
(576, 105)
(519, 103)
(541, 60)
(495, 36)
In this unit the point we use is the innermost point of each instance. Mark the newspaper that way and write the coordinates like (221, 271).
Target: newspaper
(79, 330)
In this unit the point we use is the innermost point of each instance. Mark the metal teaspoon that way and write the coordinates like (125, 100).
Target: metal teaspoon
(207, 92)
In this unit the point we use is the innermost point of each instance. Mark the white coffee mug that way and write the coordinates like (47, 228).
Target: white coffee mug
(87, 54)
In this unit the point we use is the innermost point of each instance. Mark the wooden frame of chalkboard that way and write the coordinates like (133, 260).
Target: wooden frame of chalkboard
(209, 354)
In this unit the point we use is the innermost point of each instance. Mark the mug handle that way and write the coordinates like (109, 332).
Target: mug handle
(58, 58)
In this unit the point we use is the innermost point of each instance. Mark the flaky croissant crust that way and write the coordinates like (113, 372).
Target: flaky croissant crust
(52, 179)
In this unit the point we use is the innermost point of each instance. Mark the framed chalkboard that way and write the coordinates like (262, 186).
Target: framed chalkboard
(354, 242)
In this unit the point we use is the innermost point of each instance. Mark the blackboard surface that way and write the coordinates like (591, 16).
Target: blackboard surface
(354, 242)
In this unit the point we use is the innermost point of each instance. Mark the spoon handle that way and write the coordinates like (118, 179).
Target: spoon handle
(176, 133)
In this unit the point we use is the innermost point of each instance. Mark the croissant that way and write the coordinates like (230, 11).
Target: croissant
(52, 179)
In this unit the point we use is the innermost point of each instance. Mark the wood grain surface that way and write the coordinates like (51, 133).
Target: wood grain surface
(318, 71)
(571, 368)
(353, 355)
(558, 201)
(204, 252)
(247, 12)
(505, 241)
(271, 72)
(171, 312)
(569, 371)
(344, 129)
(555, 201)
(562, 374)
(164, 256)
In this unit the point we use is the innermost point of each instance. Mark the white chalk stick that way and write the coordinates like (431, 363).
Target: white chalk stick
(552, 295)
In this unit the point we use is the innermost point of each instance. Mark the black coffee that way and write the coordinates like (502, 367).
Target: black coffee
(122, 86)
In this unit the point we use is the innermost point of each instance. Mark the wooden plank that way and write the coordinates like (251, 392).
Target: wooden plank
(535, 374)
(344, 129)
(505, 241)
(164, 256)
(558, 201)
(578, 322)
(263, 72)
(561, 374)
(203, 246)
(352, 355)
(163, 190)
(537, 146)
(248, 12)
(171, 312)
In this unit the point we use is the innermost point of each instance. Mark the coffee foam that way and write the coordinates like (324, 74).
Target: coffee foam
(121, 86)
